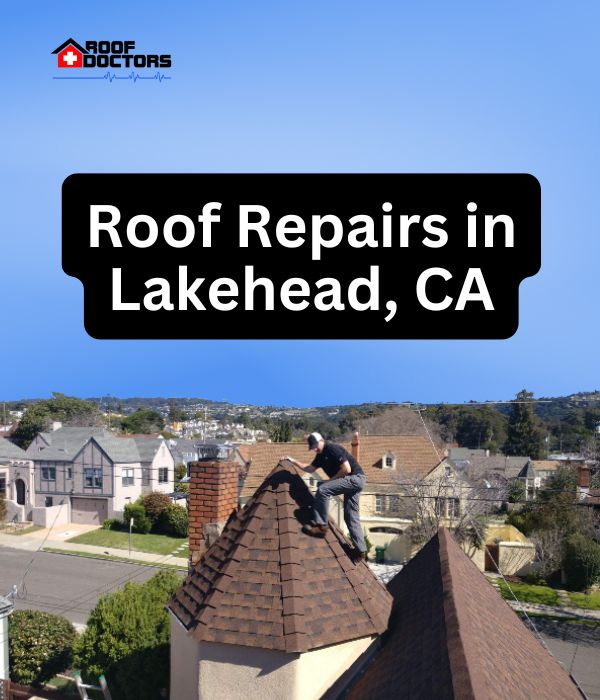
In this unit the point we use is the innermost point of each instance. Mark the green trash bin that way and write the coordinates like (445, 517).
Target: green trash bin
(379, 555)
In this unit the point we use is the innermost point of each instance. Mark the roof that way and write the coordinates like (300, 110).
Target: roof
(546, 465)
(64, 443)
(415, 457)
(476, 466)
(120, 450)
(452, 637)
(147, 447)
(266, 584)
(8, 450)
(528, 472)
(70, 42)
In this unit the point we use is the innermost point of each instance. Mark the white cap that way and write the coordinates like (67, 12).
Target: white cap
(313, 440)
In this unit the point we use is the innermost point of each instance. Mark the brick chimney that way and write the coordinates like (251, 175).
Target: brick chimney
(355, 444)
(583, 481)
(213, 496)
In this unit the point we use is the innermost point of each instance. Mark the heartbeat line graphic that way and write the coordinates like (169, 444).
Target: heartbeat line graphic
(133, 76)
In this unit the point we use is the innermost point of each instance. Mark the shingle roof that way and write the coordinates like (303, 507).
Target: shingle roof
(266, 584)
(147, 447)
(452, 637)
(120, 450)
(8, 450)
(415, 457)
(64, 443)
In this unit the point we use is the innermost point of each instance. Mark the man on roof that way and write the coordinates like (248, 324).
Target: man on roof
(346, 478)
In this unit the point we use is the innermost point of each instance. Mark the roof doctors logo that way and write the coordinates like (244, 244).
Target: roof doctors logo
(110, 56)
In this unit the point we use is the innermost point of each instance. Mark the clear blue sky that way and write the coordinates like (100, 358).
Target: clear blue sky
(305, 87)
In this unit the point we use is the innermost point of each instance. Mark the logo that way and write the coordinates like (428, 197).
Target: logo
(111, 55)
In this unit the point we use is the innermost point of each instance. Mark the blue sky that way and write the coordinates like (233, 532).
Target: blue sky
(305, 87)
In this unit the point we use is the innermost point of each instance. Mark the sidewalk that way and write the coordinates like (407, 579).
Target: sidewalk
(55, 539)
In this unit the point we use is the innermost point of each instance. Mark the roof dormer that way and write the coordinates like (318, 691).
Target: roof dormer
(388, 461)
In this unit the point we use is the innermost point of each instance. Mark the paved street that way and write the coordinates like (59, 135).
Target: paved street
(64, 585)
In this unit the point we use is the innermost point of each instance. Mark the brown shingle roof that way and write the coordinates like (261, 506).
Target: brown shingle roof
(266, 584)
(452, 637)
(415, 457)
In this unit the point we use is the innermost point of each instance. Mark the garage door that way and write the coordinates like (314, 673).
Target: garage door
(89, 511)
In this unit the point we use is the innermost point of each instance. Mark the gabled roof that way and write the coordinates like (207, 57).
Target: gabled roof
(452, 637)
(70, 42)
(64, 443)
(147, 447)
(8, 450)
(266, 584)
(119, 450)
(415, 458)
(528, 472)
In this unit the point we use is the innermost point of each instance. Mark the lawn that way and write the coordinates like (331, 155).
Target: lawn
(589, 602)
(155, 544)
(530, 594)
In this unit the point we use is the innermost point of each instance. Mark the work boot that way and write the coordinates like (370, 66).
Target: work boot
(314, 530)
(356, 555)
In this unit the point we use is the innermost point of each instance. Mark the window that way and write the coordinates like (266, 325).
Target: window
(49, 473)
(48, 502)
(387, 504)
(2, 485)
(453, 507)
(128, 476)
(69, 472)
(92, 478)
(163, 475)
(447, 507)
(389, 461)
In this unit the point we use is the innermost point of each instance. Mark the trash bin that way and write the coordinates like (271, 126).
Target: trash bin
(379, 555)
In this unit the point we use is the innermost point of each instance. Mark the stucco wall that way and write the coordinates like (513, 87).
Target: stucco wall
(209, 671)
(52, 516)
(124, 494)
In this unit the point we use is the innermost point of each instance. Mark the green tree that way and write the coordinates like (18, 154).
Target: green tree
(144, 420)
(581, 562)
(69, 410)
(127, 639)
(524, 437)
(40, 645)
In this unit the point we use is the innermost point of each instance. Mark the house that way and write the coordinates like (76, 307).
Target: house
(16, 480)
(70, 54)
(393, 465)
(94, 473)
(268, 612)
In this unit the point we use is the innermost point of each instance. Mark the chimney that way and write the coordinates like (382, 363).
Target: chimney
(213, 496)
(355, 447)
(583, 481)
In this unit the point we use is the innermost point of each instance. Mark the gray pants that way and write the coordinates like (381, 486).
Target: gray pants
(350, 487)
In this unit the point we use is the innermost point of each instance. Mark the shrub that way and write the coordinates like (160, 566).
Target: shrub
(39, 645)
(581, 562)
(141, 522)
(2, 509)
(155, 504)
(112, 524)
(127, 639)
(180, 471)
(174, 521)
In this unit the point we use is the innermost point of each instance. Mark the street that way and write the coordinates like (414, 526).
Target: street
(64, 585)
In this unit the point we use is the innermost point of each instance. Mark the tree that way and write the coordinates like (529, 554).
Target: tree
(40, 645)
(281, 432)
(581, 562)
(127, 639)
(144, 420)
(69, 410)
(524, 437)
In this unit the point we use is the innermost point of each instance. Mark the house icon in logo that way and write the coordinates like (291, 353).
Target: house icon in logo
(70, 54)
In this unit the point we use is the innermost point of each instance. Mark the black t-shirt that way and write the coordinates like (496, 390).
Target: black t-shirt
(332, 458)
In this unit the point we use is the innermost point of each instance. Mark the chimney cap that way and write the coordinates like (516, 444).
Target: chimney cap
(213, 451)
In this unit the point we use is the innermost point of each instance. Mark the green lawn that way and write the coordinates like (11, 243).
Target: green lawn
(590, 602)
(155, 544)
(530, 594)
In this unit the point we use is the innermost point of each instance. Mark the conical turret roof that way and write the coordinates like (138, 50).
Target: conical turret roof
(264, 583)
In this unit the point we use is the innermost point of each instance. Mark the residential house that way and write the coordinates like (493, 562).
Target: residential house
(268, 612)
(16, 480)
(396, 467)
(96, 474)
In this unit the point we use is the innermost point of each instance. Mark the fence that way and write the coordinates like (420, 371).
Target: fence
(9, 690)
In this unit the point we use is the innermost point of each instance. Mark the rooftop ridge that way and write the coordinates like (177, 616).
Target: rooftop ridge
(264, 583)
